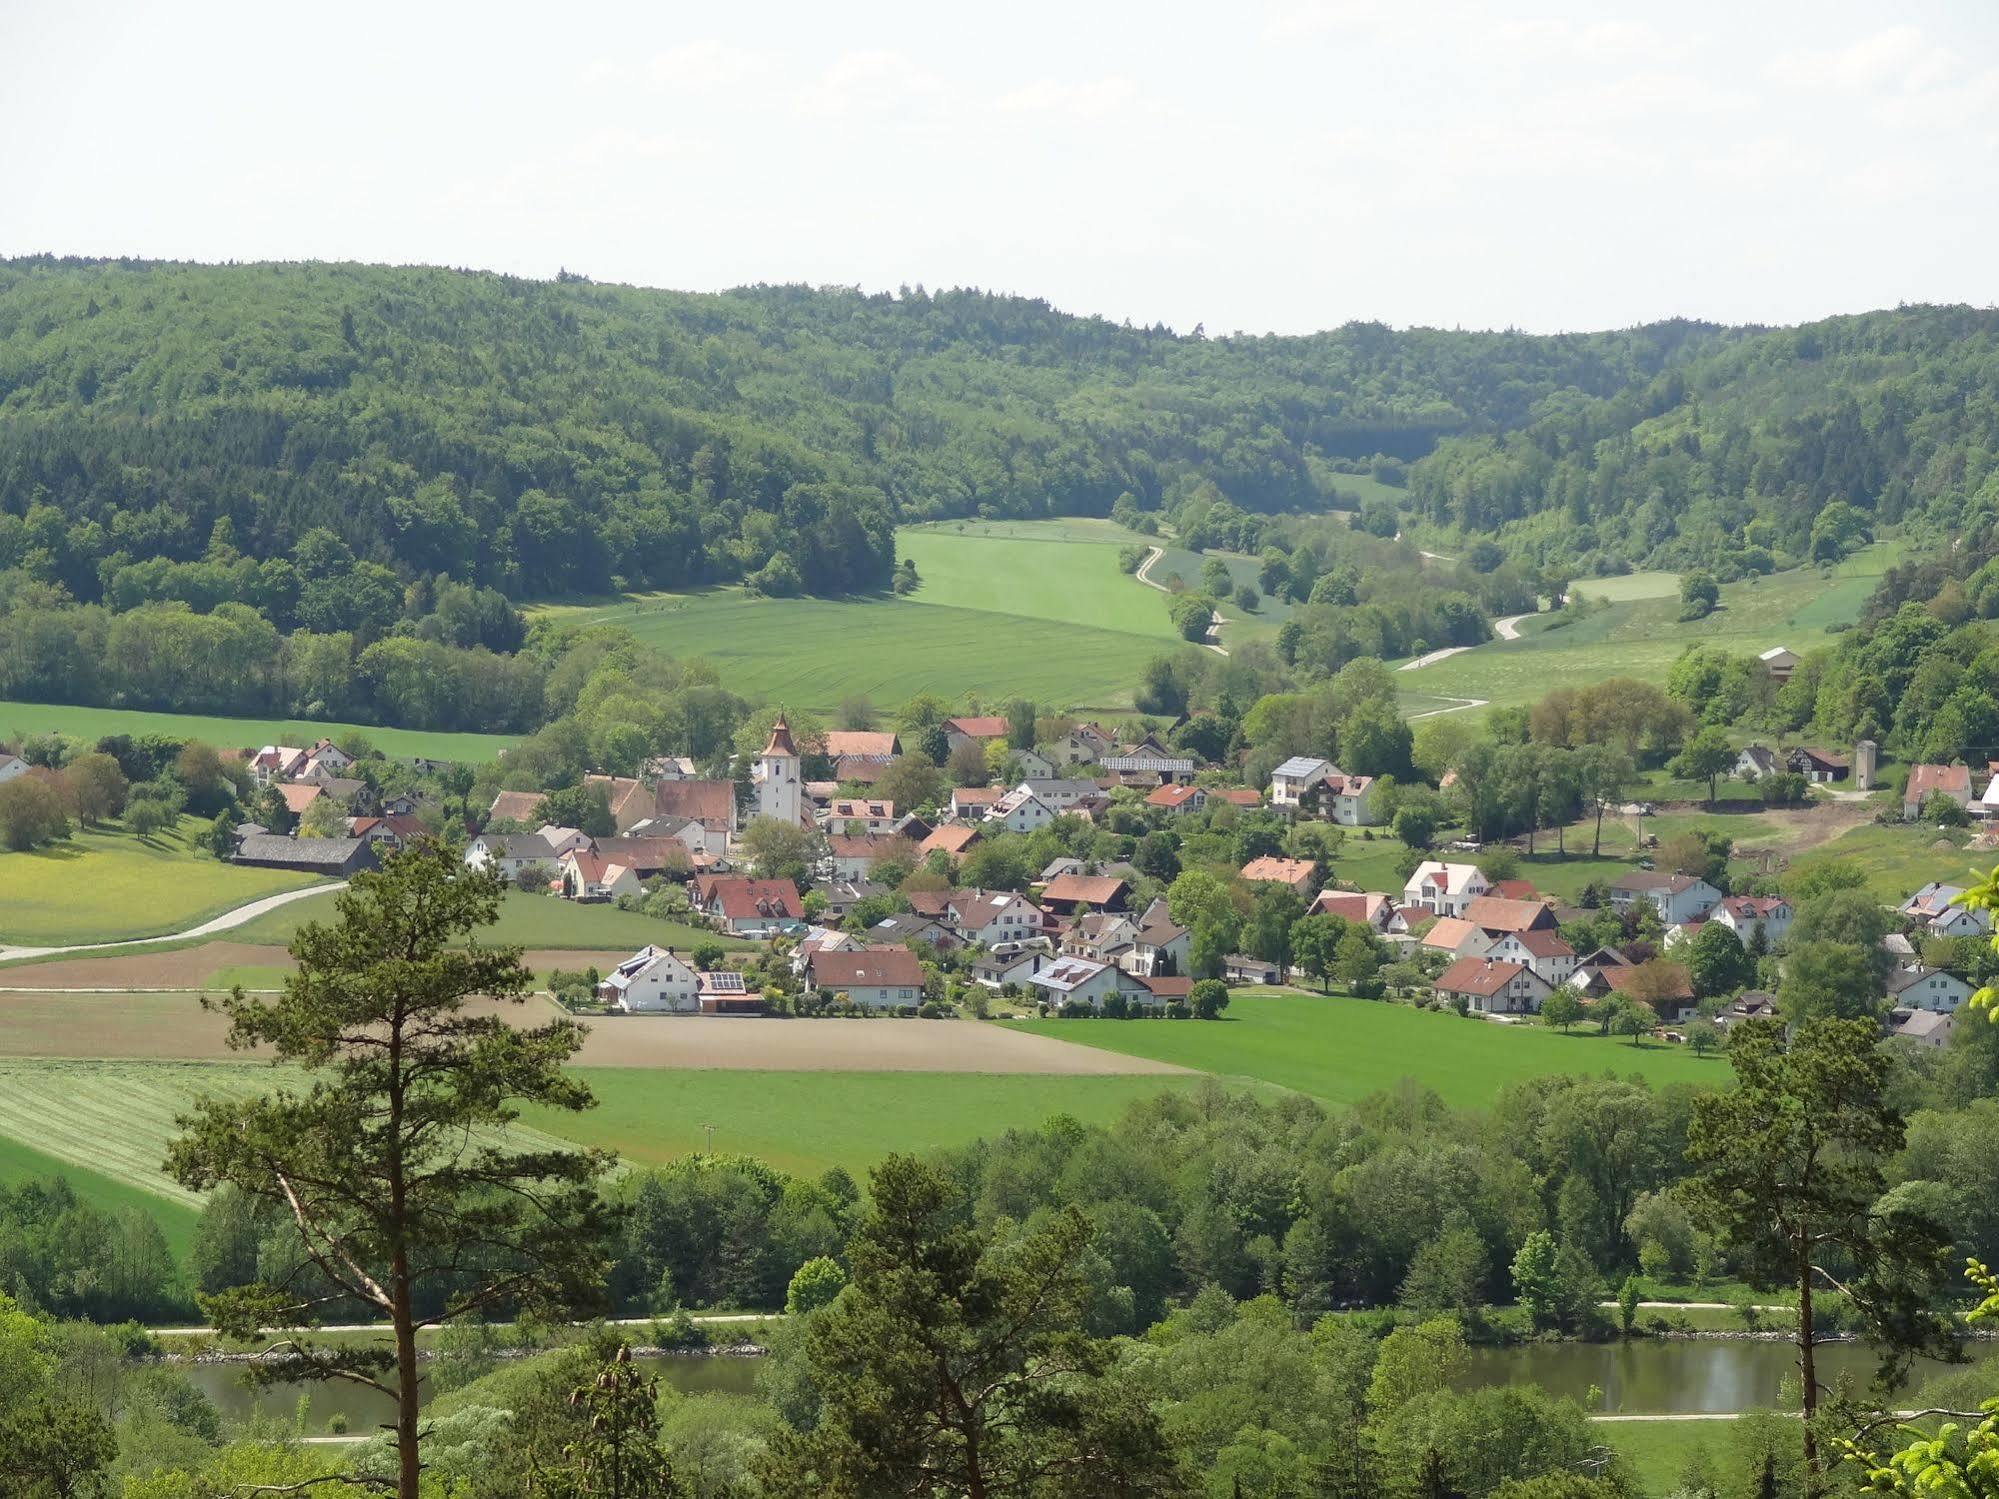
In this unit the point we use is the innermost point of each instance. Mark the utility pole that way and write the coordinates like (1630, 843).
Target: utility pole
(709, 1131)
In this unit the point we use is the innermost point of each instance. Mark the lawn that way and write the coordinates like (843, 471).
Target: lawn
(1046, 577)
(809, 1121)
(1900, 860)
(1658, 1450)
(525, 921)
(1630, 586)
(1374, 866)
(17, 719)
(23, 1163)
(1641, 634)
(106, 885)
(114, 1118)
(813, 653)
(1340, 1050)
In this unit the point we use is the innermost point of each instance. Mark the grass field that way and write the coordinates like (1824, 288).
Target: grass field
(105, 885)
(1049, 576)
(22, 1163)
(17, 719)
(525, 921)
(808, 1121)
(114, 1118)
(1658, 1451)
(1340, 1050)
(1641, 634)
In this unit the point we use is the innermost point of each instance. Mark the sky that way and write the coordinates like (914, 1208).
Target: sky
(1255, 166)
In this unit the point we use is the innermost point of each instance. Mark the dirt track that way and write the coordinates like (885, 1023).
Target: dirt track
(174, 1027)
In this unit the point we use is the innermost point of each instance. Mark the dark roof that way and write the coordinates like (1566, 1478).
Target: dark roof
(320, 855)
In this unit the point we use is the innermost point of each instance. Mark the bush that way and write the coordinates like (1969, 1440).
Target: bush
(1210, 997)
(31, 813)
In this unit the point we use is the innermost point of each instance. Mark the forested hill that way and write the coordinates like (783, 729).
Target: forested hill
(545, 437)
(548, 436)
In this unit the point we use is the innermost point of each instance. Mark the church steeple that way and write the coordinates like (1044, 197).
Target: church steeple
(779, 792)
(780, 739)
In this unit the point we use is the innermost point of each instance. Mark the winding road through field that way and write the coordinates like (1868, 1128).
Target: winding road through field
(227, 921)
(1144, 575)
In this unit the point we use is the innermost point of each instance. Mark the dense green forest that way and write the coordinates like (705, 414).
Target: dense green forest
(542, 437)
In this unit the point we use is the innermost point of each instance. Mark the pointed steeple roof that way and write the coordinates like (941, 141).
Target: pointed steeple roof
(780, 739)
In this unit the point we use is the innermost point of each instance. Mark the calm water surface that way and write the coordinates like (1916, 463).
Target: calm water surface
(1635, 1378)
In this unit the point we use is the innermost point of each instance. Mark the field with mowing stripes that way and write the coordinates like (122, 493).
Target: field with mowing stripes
(22, 1163)
(115, 1118)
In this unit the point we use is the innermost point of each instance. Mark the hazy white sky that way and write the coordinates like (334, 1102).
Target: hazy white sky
(1257, 165)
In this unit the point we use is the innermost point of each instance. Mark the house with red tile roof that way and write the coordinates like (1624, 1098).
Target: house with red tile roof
(973, 730)
(1953, 781)
(738, 904)
(1371, 908)
(1498, 915)
(879, 976)
(1492, 986)
(952, 837)
(860, 744)
(1541, 949)
(1066, 892)
(1299, 874)
(1177, 798)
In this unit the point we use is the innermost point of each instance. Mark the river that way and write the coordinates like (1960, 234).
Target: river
(1643, 1377)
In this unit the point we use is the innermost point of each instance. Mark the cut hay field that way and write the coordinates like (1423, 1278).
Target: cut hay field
(1340, 1050)
(21, 1163)
(809, 1121)
(535, 921)
(107, 885)
(1033, 608)
(115, 1117)
(1641, 634)
(18, 719)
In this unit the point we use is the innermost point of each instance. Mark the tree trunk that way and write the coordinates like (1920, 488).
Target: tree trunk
(1808, 1373)
(408, 1378)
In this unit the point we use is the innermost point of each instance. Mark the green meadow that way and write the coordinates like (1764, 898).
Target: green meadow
(106, 885)
(1640, 633)
(809, 1121)
(20, 719)
(20, 1163)
(1340, 1050)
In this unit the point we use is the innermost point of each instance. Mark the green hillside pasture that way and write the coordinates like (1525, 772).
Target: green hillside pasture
(813, 653)
(18, 719)
(525, 921)
(809, 1121)
(1629, 586)
(1270, 612)
(1900, 860)
(1079, 528)
(21, 1163)
(1044, 577)
(106, 885)
(115, 1118)
(1643, 637)
(1340, 1050)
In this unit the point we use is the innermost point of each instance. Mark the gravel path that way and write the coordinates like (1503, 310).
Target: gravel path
(227, 921)
(1144, 575)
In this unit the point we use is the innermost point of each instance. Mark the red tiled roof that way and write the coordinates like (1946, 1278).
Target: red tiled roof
(1084, 889)
(708, 802)
(863, 744)
(871, 967)
(978, 728)
(952, 837)
(1280, 871)
(745, 899)
(1503, 915)
(1544, 944)
(1173, 796)
(515, 806)
(1515, 890)
(1923, 779)
(1240, 796)
(1478, 976)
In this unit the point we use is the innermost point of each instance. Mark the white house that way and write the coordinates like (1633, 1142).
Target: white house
(1072, 980)
(822, 938)
(1021, 811)
(1678, 898)
(1292, 781)
(1757, 761)
(11, 766)
(1925, 781)
(653, 980)
(1159, 947)
(1928, 989)
(588, 875)
(1931, 909)
(1745, 914)
(873, 815)
(1490, 986)
(992, 916)
(1035, 765)
(507, 854)
(1925, 1028)
(1057, 793)
(1543, 953)
(1445, 889)
(889, 976)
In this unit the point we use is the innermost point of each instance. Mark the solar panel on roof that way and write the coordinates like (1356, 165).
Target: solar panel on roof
(727, 982)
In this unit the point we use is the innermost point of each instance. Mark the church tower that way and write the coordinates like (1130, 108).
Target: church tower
(780, 793)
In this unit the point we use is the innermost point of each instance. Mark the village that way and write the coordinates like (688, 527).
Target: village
(862, 906)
